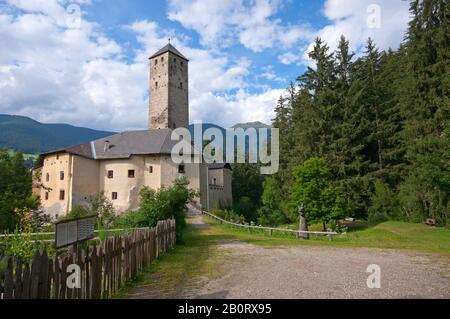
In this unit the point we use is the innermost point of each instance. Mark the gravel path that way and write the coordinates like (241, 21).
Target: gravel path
(253, 272)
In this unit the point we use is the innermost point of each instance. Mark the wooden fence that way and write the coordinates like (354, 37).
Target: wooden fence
(103, 268)
(270, 230)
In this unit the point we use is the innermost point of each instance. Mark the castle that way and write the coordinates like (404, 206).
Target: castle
(121, 165)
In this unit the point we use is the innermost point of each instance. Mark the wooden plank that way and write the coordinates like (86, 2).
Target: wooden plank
(56, 278)
(35, 275)
(87, 282)
(9, 281)
(18, 279)
(26, 282)
(50, 278)
(63, 277)
(43, 290)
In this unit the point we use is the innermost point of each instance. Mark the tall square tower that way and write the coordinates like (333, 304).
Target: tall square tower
(169, 89)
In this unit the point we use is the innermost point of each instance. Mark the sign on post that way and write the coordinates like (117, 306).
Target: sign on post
(70, 232)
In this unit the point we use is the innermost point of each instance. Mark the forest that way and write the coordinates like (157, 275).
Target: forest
(363, 136)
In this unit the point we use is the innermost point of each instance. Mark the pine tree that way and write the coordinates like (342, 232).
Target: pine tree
(425, 107)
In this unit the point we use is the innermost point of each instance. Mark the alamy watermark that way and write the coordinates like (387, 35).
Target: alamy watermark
(73, 16)
(232, 146)
(374, 16)
(374, 279)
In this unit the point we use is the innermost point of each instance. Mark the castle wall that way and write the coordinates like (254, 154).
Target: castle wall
(53, 166)
(127, 188)
(85, 182)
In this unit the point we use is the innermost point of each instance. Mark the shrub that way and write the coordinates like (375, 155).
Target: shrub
(384, 204)
(159, 205)
(229, 215)
(20, 245)
(104, 209)
(99, 206)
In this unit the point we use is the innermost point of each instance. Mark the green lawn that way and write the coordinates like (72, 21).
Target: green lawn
(395, 235)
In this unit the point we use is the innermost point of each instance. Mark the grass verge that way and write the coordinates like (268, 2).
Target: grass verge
(389, 235)
(179, 268)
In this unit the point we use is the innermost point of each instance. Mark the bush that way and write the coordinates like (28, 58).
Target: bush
(229, 215)
(384, 204)
(166, 203)
(98, 206)
(271, 213)
(19, 245)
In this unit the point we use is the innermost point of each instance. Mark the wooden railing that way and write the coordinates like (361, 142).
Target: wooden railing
(271, 229)
(103, 269)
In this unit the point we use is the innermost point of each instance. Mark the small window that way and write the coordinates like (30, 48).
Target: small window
(215, 181)
(156, 62)
(62, 195)
(182, 63)
(162, 59)
(181, 85)
(47, 177)
(57, 157)
(181, 169)
(131, 173)
(156, 85)
(110, 174)
(46, 195)
(114, 196)
(150, 169)
(61, 175)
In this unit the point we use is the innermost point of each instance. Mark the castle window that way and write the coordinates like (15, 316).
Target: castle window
(181, 85)
(62, 195)
(151, 170)
(114, 196)
(156, 62)
(181, 169)
(156, 84)
(57, 157)
(110, 174)
(46, 195)
(61, 175)
(47, 177)
(215, 181)
(162, 59)
(182, 64)
(131, 173)
(175, 60)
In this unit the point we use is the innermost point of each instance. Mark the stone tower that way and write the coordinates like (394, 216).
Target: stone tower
(169, 90)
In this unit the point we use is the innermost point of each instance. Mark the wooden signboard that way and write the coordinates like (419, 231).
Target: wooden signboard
(70, 232)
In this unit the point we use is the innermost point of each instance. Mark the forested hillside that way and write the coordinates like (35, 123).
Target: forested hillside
(24, 134)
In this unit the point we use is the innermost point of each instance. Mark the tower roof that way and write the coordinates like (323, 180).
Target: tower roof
(169, 48)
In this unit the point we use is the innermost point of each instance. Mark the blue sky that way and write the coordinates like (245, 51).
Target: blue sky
(84, 62)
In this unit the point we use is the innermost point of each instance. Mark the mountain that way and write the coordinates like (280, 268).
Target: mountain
(29, 136)
(255, 125)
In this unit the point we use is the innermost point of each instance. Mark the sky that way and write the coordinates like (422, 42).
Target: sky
(85, 62)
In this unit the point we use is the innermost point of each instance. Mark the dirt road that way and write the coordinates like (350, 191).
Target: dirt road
(249, 271)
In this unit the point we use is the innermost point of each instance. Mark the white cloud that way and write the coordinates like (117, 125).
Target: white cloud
(385, 21)
(253, 24)
(54, 73)
(214, 79)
